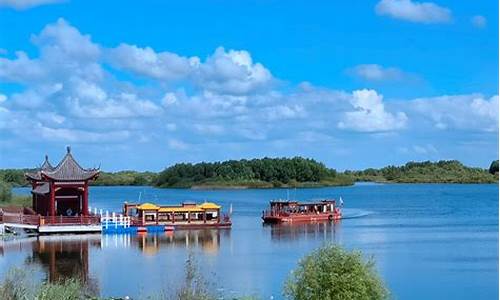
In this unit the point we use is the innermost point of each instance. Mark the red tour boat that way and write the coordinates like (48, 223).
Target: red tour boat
(294, 211)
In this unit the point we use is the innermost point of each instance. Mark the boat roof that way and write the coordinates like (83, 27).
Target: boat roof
(184, 207)
(309, 202)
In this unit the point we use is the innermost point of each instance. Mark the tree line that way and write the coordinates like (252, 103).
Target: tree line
(444, 171)
(276, 171)
(280, 172)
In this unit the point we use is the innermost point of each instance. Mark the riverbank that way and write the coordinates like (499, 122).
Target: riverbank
(281, 173)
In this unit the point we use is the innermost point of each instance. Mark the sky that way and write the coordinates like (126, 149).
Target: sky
(145, 84)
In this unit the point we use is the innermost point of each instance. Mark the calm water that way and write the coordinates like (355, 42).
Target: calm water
(429, 242)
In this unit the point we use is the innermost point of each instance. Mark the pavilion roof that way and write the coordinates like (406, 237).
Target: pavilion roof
(46, 166)
(67, 169)
(42, 189)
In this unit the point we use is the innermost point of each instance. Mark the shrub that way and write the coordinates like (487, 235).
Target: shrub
(331, 272)
(5, 192)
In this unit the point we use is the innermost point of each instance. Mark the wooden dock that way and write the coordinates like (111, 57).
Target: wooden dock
(48, 225)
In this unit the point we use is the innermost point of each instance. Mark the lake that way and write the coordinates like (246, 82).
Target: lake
(429, 241)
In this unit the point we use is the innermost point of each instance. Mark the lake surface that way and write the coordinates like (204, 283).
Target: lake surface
(430, 241)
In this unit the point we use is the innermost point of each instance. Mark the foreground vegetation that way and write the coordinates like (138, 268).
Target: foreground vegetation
(332, 272)
(19, 285)
(329, 273)
(281, 172)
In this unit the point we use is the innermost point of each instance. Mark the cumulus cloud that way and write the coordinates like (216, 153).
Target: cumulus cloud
(465, 112)
(374, 72)
(478, 21)
(22, 69)
(232, 72)
(26, 4)
(147, 62)
(418, 12)
(370, 114)
(72, 91)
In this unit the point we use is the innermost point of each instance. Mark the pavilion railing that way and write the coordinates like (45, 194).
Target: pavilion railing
(70, 220)
(20, 218)
(17, 218)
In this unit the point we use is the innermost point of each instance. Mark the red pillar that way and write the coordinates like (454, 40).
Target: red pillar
(52, 200)
(85, 204)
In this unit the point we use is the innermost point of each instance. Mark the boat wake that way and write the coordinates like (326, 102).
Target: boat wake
(348, 213)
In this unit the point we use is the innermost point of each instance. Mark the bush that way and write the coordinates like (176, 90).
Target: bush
(494, 167)
(331, 272)
(195, 287)
(19, 285)
(5, 192)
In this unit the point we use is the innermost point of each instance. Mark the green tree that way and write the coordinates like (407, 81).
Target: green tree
(494, 167)
(331, 272)
(5, 192)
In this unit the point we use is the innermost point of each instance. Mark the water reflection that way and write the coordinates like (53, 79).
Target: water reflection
(59, 257)
(208, 240)
(63, 257)
(304, 231)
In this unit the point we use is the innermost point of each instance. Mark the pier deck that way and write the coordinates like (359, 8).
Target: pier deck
(56, 224)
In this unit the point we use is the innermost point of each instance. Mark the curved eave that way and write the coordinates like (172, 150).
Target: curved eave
(32, 176)
(84, 178)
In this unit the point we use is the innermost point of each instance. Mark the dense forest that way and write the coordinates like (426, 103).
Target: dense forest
(266, 172)
(444, 171)
(279, 172)
(15, 177)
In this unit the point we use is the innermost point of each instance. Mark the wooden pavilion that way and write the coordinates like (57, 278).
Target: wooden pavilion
(62, 190)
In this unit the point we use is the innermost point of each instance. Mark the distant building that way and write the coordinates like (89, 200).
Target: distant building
(62, 190)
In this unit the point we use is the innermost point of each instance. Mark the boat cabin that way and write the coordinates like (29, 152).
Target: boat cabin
(323, 206)
(294, 211)
(186, 213)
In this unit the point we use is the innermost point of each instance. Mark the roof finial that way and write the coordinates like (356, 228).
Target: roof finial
(68, 148)
(46, 157)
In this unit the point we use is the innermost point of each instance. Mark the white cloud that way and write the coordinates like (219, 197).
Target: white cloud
(212, 129)
(419, 12)
(169, 99)
(147, 62)
(60, 40)
(176, 144)
(75, 135)
(374, 72)
(466, 112)
(73, 94)
(22, 69)
(425, 149)
(370, 114)
(232, 72)
(123, 106)
(3, 98)
(280, 112)
(26, 4)
(478, 21)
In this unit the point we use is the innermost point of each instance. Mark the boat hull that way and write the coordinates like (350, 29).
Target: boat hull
(276, 219)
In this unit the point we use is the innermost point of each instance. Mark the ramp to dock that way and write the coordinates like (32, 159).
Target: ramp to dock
(54, 224)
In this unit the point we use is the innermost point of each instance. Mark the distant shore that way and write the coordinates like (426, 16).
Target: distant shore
(267, 173)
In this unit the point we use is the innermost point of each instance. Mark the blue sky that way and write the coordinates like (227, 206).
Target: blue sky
(143, 85)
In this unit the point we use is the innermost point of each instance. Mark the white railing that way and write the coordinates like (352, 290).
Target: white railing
(111, 220)
(114, 220)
